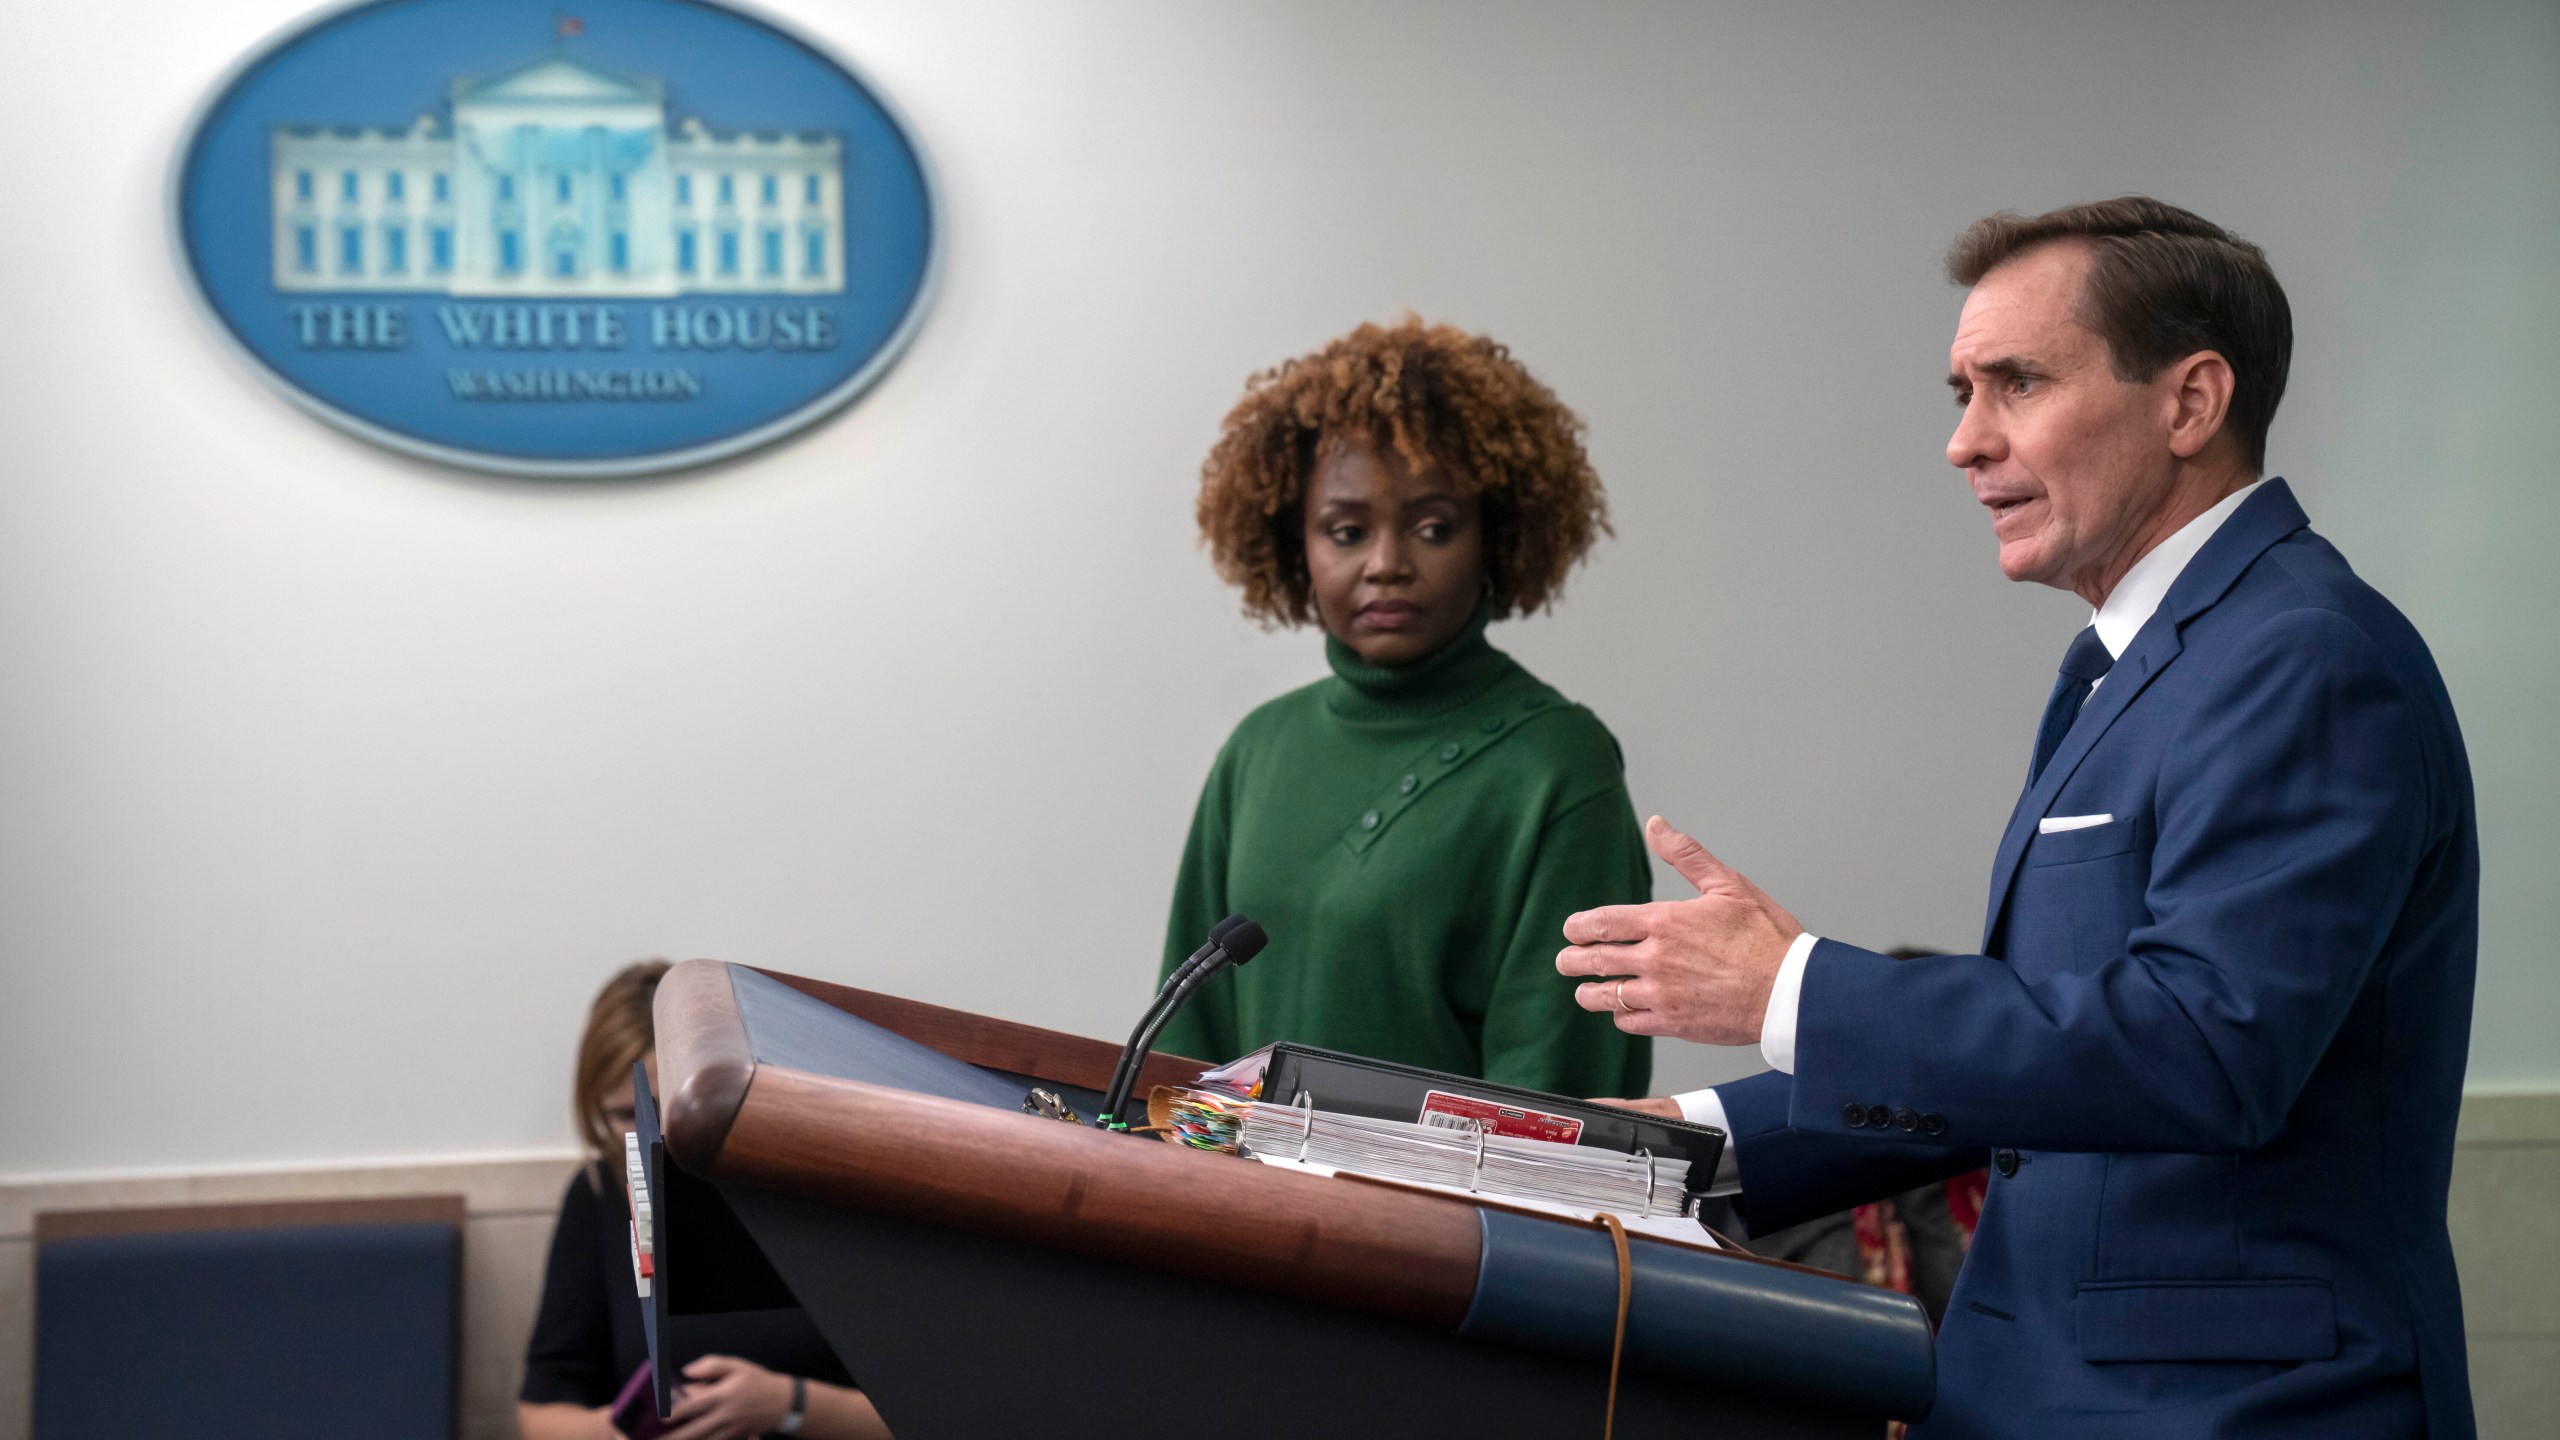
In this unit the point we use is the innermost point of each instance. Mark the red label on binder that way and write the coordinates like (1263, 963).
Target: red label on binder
(1455, 1112)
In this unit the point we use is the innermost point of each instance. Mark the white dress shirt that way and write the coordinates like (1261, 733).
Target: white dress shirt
(2128, 608)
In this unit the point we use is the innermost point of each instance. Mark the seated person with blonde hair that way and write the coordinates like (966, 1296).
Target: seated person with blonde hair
(587, 1340)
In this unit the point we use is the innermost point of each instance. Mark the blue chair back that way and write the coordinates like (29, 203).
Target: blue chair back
(275, 1331)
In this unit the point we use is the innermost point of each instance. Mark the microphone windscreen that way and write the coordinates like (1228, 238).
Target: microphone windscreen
(1244, 940)
(1218, 932)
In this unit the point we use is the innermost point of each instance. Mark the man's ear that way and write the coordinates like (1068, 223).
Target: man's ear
(2197, 393)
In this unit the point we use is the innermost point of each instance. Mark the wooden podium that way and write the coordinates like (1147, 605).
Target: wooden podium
(983, 1272)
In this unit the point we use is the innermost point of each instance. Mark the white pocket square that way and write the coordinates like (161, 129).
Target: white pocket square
(2056, 824)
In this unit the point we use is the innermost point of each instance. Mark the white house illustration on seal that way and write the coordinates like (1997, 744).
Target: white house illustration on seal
(557, 179)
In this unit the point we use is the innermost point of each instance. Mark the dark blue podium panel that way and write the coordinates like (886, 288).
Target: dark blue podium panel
(961, 1337)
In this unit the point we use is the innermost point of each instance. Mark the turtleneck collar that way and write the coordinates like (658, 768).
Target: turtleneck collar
(1447, 677)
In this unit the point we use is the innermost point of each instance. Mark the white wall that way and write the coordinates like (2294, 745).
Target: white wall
(331, 784)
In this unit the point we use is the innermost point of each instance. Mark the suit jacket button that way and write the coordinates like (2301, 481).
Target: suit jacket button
(1907, 1119)
(2005, 1160)
(1854, 1115)
(1933, 1125)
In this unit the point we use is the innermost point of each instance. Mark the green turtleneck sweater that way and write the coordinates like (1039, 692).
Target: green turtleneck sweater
(1412, 840)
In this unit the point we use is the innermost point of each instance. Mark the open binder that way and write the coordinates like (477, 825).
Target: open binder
(1331, 1081)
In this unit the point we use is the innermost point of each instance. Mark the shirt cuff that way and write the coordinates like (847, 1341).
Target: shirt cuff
(1701, 1107)
(1778, 1027)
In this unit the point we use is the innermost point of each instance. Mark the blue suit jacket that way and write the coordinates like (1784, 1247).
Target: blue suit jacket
(2213, 1048)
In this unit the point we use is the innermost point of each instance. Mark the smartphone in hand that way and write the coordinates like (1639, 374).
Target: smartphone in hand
(635, 1410)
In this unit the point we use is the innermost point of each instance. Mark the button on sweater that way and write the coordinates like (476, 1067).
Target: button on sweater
(1412, 839)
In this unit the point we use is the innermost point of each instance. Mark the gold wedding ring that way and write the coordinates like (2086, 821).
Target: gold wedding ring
(1618, 996)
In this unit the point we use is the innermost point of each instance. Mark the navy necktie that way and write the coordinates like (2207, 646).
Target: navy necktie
(2082, 666)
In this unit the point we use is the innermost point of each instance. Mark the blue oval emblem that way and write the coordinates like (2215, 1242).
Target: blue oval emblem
(624, 237)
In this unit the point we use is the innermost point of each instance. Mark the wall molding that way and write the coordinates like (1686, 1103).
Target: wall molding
(2506, 1116)
(490, 1182)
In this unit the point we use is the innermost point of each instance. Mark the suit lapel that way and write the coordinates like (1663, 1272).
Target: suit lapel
(2261, 521)
(2149, 654)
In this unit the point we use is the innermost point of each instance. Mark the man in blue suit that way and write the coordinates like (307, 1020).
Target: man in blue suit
(2214, 1045)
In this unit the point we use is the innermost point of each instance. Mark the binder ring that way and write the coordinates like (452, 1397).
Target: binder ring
(1307, 1125)
(1646, 1156)
(1476, 1181)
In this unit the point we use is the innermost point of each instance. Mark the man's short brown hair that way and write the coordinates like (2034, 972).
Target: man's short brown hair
(2164, 283)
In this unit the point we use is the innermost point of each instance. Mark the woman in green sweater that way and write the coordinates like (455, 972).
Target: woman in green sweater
(1413, 830)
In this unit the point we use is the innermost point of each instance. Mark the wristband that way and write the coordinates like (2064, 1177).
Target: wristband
(799, 1410)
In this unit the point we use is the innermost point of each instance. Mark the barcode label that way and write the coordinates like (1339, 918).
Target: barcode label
(1461, 1112)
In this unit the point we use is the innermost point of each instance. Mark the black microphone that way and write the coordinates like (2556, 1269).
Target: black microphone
(1232, 941)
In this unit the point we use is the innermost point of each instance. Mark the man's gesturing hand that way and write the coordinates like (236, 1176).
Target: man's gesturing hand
(1697, 969)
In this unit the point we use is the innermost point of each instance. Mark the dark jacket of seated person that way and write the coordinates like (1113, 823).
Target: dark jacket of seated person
(587, 1337)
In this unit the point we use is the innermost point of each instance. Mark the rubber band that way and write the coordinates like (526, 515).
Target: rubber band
(1626, 1292)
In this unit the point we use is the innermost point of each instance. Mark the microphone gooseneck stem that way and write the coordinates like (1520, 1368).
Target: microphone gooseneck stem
(1133, 1054)
(1132, 1060)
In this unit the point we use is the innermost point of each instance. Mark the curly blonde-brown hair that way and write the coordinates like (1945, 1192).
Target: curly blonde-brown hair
(1438, 398)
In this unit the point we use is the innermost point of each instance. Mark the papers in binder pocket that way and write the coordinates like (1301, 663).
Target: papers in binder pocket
(644, 1240)
(2056, 824)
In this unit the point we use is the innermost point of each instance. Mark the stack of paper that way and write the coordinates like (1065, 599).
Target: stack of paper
(1464, 1156)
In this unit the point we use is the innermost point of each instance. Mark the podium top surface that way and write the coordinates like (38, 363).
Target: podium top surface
(792, 1028)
